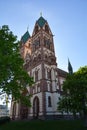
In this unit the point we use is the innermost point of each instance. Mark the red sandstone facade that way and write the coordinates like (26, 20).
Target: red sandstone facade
(40, 62)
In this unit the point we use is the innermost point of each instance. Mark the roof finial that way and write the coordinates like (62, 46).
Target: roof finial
(40, 14)
(27, 27)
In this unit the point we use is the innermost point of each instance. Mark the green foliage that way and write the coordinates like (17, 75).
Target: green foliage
(4, 120)
(74, 98)
(44, 125)
(13, 77)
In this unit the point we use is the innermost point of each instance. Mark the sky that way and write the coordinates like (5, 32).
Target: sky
(66, 18)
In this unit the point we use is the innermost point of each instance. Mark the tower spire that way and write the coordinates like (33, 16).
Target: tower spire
(40, 14)
(70, 69)
(27, 27)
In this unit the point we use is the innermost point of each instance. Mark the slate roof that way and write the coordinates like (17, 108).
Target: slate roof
(62, 73)
(41, 21)
(25, 37)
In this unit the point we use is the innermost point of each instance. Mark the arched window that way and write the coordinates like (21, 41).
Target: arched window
(45, 56)
(33, 75)
(36, 76)
(49, 101)
(38, 88)
(33, 90)
(49, 74)
(39, 57)
(53, 59)
(36, 105)
(46, 28)
(34, 59)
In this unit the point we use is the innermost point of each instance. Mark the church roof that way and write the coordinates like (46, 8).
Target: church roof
(41, 21)
(25, 37)
(62, 73)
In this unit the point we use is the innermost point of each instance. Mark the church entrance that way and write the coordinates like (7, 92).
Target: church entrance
(36, 107)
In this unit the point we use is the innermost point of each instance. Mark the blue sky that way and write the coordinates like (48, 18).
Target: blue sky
(67, 20)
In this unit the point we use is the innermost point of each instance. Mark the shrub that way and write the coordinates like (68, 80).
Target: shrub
(4, 119)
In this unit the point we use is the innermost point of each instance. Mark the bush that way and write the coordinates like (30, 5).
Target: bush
(4, 119)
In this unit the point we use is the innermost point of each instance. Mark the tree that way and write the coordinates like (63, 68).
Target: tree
(74, 97)
(13, 77)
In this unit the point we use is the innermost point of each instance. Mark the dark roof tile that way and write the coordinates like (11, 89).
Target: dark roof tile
(25, 37)
(41, 21)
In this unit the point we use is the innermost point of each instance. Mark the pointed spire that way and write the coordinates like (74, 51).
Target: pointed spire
(40, 14)
(70, 69)
(27, 27)
(41, 21)
(25, 37)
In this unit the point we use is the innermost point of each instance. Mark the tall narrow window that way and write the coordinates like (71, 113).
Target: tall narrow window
(49, 101)
(33, 75)
(39, 57)
(33, 90)
(46, 28)
(38, 88)
(36, 76)
(49, 74)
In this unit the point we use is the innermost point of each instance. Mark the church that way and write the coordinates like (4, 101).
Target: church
(40, 62)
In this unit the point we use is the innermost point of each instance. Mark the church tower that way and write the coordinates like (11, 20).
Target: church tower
(40, 62)
(42, 67)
